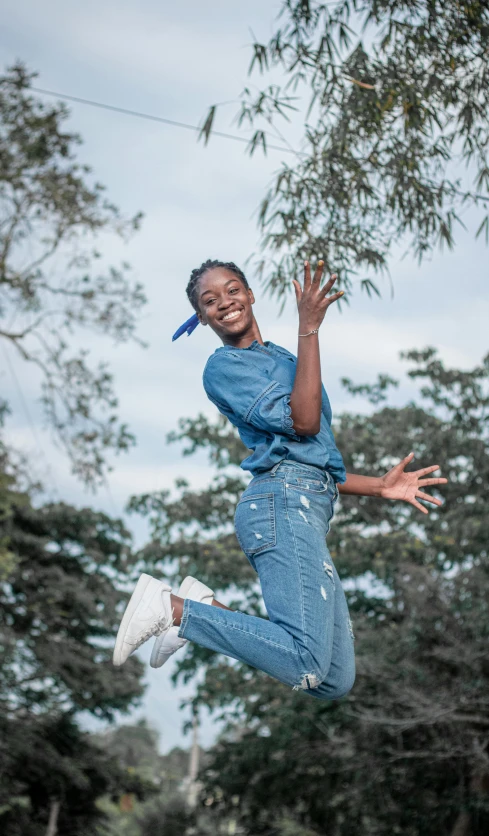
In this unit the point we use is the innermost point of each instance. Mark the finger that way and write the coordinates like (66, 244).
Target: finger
(427, 470)
(318, 273)
(334, 298)
(307, 275)
(298, 290)
(329, 284)
(407, 460)
(418, 506)
(428, 498)
(424, 482)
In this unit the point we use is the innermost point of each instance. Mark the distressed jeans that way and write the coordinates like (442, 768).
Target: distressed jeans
(281, 521)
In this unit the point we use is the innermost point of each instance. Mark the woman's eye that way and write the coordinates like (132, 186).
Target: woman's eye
(234, 290)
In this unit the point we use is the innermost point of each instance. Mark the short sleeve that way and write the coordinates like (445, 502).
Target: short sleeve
(238, 388)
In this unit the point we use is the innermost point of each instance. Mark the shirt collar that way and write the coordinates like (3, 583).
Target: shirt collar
(255, 346)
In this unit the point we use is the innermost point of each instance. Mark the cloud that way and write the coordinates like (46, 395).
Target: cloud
(151, 45)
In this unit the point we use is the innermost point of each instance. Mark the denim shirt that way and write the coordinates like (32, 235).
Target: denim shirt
(252, 387)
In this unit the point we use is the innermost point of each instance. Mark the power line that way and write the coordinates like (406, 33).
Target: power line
(151, 117)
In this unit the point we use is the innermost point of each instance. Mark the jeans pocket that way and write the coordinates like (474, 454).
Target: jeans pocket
(254, 522)
(302, 483)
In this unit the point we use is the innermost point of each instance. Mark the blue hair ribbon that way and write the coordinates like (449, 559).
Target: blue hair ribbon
(188, 326)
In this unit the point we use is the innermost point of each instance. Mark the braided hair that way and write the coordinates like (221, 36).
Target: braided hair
(204, 268)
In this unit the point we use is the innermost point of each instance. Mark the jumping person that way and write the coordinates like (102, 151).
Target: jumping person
(282, 413)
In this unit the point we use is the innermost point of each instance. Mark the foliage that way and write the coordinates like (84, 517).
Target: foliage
(49, 761)
(50, 282)
(9, 496)
(164, 810)
(397, 101)
(136, 749)
(407, 751)
(60, 604)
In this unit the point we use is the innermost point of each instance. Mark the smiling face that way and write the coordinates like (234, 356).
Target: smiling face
(225, 304)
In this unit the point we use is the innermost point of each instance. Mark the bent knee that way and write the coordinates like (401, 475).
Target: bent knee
(343, 684)
(343, 689)
(334, 690)
(323, 682)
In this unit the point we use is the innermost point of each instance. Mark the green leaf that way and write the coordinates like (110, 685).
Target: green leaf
(369, 287)
(206, 128)
(484, 229)
(258, 139)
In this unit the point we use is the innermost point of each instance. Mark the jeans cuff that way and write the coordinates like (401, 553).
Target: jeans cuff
(185, 615)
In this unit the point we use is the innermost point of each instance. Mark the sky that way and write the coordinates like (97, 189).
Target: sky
(174, 60)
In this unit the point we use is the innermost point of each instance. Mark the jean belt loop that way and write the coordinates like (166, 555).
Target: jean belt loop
(276, 467)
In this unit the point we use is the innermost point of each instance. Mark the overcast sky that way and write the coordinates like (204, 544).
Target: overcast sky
(174, 60)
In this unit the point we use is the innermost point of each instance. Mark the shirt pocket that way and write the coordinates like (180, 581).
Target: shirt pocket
(254, 522)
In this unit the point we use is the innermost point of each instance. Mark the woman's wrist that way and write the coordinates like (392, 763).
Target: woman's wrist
(306, 327)
(314, 332)
(358, 485)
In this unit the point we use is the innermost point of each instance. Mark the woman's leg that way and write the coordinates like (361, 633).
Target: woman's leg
(341, 674)
(282, 530)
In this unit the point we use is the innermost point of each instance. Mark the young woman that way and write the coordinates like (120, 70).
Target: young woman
(282, 413)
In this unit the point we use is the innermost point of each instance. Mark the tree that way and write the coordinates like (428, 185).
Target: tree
(135, 747)
(407, 751)
(53, 777)
(8, 497)
(60, 606)
(397, 103)
(163, 811)
(50, 282)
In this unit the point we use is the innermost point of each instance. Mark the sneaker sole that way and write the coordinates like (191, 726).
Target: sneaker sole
(132, 605)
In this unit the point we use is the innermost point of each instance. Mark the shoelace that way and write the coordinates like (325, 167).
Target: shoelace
(160, 625)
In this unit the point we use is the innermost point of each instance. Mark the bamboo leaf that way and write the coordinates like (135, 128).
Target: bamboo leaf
(206, 129)
(484, 229)
(369, 287)
(258, 139)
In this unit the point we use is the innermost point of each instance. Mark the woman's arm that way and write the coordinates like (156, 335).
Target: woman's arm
(357, 485)
(312, 304)
(396, 484)
(306, 400)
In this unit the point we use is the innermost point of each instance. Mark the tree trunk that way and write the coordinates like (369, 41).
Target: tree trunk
(193, 786)
(462, 826)
(463, 823)
(53, 817)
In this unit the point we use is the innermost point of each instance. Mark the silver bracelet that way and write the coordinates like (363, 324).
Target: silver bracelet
(316, 331)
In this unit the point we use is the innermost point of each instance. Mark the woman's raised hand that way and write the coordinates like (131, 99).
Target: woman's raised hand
(312, 299)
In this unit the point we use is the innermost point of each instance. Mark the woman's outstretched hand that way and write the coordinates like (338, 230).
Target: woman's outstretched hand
(397, 484)
(312, 299)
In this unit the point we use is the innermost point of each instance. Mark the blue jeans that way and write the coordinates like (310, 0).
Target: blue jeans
(281, 521)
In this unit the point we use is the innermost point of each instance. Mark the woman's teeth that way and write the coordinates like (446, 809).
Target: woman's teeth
(230, 316)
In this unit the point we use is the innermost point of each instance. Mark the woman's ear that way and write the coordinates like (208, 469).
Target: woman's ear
(200, 318)
(251, 295)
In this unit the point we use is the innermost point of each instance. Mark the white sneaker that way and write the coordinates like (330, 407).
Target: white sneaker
(148, 613)
(168, 643)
